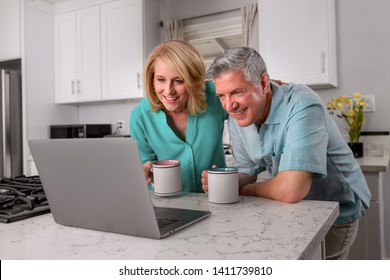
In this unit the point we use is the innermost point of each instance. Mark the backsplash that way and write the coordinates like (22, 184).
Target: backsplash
(375, 145)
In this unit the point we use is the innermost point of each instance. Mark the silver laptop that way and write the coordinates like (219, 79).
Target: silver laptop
(99, 184)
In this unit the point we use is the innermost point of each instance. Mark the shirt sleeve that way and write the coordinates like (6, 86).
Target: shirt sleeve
(306, 141)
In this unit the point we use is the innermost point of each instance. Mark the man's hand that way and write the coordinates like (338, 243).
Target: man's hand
(205, 185)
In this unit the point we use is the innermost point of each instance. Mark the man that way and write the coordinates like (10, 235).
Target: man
(286, 130)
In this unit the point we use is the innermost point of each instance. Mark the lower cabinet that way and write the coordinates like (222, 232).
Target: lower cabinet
(370, 240)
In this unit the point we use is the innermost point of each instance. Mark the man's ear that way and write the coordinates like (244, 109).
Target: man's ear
(265, 83)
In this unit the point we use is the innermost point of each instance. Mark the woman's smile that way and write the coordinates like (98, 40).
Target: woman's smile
(171, 99)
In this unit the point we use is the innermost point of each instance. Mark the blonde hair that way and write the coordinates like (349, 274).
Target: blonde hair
(183, 58)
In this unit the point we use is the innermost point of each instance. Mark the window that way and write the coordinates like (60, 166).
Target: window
(213, 34)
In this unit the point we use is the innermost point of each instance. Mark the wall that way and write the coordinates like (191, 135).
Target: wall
(363, 45)
(38, 77)
(107, 113)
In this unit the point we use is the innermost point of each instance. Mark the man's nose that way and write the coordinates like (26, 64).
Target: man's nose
(230, 104)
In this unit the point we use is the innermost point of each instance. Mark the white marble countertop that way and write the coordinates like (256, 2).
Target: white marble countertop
(253, 228)
(374, 164)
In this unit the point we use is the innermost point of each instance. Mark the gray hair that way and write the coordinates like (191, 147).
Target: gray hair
(243, 59)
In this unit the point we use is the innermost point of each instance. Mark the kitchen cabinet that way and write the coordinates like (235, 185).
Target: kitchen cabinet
(10, 29)
(99, 52)
(370, 240)
(77, 56)
(122, 50)
(297, 40)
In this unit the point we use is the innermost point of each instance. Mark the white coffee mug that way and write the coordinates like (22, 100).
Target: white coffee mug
(223, 185)
(166, 177)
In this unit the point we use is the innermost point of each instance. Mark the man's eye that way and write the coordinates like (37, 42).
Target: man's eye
(240, 92)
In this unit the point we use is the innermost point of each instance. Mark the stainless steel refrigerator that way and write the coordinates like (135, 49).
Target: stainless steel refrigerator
(11, 143)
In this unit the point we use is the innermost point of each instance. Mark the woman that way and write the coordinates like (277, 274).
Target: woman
(181, 118)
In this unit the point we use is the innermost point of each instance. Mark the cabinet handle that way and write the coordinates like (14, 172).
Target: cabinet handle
(73, 84)
(78, 86)
(322, 62)
(138, 81)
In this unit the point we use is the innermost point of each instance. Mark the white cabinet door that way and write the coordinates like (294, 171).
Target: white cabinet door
(370, 239)
(122, 49)
(88, 54)
(298, 42)
(10, 31)
(77, 56)
(65, 59)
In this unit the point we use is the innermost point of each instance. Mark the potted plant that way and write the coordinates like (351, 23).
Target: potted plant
(350, 108)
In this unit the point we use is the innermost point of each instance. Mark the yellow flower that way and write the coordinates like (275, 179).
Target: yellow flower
(350, 108)
(351, 114)
(340, 107)
(357, 95)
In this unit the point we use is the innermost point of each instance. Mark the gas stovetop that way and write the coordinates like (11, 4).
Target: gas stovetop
(21, 197)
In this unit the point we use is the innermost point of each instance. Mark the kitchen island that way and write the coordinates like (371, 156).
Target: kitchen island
(253, 228)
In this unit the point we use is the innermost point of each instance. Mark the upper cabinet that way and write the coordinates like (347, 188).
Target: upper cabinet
(77, 56)
(99, 52)
(297, 40)
(10, 29)
(122, 49)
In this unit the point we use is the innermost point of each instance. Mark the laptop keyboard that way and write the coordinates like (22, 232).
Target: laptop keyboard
(164, 222)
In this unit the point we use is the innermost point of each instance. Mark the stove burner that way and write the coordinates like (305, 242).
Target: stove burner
(21, 197)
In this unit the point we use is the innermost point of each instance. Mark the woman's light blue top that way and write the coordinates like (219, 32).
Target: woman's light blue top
(202, 148)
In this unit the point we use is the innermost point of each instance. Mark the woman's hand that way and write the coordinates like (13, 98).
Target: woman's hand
(147, 171)
(279, 82)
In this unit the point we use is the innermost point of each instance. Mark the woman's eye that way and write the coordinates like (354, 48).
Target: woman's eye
(179, 82)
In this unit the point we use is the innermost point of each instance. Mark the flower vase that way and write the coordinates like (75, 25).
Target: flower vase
(357, 149)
